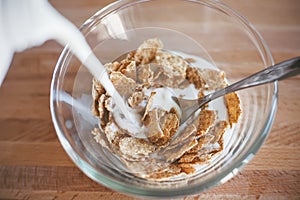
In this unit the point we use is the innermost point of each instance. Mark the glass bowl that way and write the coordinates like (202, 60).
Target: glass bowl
(204, 28)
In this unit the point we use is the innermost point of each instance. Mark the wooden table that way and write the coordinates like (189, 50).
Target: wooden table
(33, 164)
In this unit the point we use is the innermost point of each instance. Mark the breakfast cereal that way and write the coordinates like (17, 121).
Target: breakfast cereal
(167, 149)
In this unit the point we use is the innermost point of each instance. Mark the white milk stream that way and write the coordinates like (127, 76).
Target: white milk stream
(29, 23)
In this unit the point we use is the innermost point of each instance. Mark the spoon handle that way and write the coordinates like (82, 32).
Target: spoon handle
(276, 72)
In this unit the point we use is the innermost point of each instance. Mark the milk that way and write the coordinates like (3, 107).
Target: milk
(162, 100)
(29, 23)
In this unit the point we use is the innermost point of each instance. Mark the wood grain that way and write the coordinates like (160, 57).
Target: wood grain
(33, 164)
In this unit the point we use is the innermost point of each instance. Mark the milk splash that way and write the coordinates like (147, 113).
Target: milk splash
(25, 24)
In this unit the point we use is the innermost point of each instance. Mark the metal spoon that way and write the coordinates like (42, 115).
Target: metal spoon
(276, 72)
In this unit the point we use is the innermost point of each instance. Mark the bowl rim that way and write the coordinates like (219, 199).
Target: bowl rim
(224, 176)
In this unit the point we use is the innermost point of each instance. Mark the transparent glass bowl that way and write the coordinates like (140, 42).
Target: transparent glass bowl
(205, 28)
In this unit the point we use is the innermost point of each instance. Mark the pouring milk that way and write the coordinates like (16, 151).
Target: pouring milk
(24, 24)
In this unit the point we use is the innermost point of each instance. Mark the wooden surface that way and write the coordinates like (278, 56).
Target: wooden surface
(33, 164)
